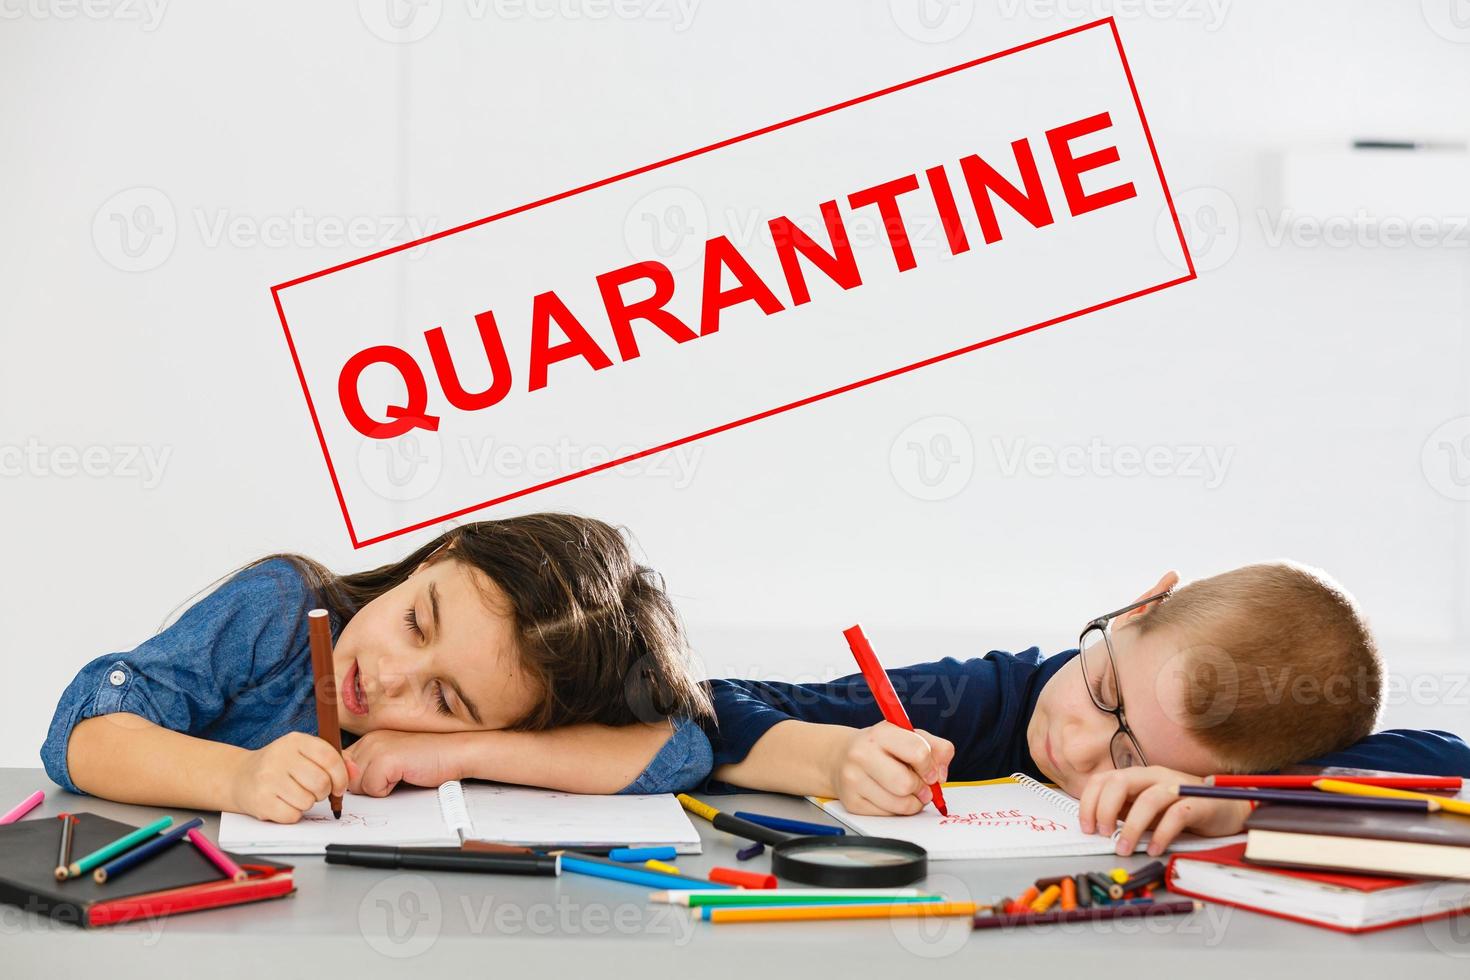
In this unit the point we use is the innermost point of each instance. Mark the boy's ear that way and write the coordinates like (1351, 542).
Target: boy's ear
(1169, 580)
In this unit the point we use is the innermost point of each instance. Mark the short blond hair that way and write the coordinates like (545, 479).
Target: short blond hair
(1277, 662)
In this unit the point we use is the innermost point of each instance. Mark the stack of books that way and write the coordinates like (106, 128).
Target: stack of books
(1341, 867)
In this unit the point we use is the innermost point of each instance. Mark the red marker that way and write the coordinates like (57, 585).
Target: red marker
(884, 694)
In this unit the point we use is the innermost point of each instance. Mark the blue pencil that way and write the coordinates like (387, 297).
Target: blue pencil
(791, 826)
(144, 851)
(583, 865)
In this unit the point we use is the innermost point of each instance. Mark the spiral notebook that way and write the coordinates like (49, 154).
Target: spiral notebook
(999, 818)
(456, 812)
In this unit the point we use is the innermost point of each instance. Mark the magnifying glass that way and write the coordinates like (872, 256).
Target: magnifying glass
(827, 862)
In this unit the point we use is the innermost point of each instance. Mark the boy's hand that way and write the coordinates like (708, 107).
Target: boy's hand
(382, 759)
(1150, 797)
(286, 778)
(887, 770)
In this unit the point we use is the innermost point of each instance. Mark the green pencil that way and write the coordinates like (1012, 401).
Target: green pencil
(117, 847)
(775, 897)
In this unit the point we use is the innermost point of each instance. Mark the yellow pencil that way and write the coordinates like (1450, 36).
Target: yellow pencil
(810, 913)
(1461, 807)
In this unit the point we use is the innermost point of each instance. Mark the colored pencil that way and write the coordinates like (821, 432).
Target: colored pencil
(1094, 914)
(883, 692)
(1461, 807)
(640, 854)
(584, 864)
(1309, 797)
(782, 896)
(63, 852)
(324, 683)
(216, 856)
(144, 851)
(1305, 782)
(791, 826)
(687, 896)
(818, 913)
(123, 843)
(23, 807)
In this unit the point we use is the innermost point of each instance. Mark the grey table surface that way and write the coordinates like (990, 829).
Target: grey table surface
(353, 922)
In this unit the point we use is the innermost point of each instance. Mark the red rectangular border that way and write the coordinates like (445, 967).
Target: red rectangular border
(1148, 135)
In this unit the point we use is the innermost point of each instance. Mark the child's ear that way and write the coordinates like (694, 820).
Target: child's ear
(1169, 580)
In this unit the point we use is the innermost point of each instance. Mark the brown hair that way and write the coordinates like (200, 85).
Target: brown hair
(1277, 662)
(595, 629)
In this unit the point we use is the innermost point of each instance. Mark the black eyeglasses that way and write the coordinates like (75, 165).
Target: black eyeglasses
(1100, 674)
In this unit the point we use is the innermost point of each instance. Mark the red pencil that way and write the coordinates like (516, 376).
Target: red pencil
(884, 694)
(1305, 782)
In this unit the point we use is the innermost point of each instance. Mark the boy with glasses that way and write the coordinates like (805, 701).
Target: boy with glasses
(1248, 671)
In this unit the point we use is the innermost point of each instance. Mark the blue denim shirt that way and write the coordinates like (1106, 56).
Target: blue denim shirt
(236, 668)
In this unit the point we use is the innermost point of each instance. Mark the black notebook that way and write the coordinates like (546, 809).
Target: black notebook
(178, 880)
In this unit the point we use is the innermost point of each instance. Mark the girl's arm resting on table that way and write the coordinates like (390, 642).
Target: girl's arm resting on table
(604, 759)
(127, 758)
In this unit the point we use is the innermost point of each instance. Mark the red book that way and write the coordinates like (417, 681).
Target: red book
(1351, 903)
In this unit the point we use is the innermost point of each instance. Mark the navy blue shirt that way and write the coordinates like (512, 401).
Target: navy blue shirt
(983, 706)
(236, 668)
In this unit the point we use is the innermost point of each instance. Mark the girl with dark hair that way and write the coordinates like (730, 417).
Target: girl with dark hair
(554, 658)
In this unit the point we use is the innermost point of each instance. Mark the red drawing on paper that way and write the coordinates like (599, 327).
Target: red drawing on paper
(1003, 818)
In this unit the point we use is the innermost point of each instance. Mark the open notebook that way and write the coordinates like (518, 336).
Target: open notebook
(999, 818)
(455, 812)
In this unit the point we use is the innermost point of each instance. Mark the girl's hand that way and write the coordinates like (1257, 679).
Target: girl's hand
(382, 759)
(887, 770)
(1150, 797)
(286, 778)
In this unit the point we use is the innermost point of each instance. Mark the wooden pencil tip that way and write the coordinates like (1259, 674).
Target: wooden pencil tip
(61, 873)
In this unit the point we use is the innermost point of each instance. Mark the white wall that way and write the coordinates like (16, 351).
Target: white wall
(1318, 372)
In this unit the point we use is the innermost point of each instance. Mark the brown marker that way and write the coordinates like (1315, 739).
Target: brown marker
(324, 682)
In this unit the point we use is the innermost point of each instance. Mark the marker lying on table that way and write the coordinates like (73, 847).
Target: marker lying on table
(1311, 797)
(436, 859)
(732, 824)
(639, 854)
(585, 864)
(123, 843)
(885, 695)
(790, 826)
(23, 807)
(143, 852)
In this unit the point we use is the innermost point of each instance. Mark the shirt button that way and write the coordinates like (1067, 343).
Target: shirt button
(116, 678)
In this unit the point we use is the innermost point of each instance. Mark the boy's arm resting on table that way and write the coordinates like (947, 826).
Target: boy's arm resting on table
(1424, 753)
(662, 757)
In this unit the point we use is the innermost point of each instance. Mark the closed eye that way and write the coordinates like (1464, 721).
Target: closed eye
(412, 619)
(442, 701)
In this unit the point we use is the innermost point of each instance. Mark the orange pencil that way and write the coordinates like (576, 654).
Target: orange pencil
(324, 681)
